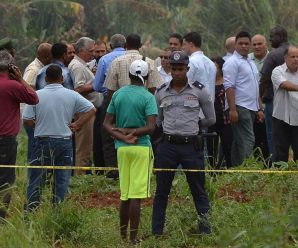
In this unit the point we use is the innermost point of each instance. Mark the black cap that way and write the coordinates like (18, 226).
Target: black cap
(179, 57)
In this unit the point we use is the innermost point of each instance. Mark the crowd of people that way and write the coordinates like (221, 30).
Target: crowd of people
(89, 105)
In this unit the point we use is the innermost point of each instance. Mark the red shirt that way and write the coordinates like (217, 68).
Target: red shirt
(12, 93)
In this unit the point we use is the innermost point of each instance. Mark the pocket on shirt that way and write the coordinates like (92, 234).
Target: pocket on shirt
(191, 104)
(166, 104)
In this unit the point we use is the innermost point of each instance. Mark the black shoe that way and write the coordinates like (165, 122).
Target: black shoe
(204, 225)
(113, 175)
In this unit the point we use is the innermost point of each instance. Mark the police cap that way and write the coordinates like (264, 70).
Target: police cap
(179, 57)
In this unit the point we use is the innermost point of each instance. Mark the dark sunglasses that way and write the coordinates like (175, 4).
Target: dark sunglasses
(164, 57)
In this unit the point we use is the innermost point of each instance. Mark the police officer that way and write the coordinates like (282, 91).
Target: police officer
(179, 103)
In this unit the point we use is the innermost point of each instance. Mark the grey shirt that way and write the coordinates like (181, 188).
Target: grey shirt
(285, 103)
(178, 113)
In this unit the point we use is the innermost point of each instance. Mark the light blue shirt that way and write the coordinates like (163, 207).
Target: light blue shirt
(103, 67)
(203, 70)
(242, 74)
(55, 111)
(67, 81)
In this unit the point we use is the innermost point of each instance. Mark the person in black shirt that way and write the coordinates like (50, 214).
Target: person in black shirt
(222, 126)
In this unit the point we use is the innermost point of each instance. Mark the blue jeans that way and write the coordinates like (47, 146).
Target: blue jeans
(31, 141)
(268, 122)
(49, 151)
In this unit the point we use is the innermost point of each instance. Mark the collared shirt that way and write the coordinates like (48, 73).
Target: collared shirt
(118, 74)
(285, 103)
(103, 67)
(178, 113)
(203, 70)
(81, 75)
(55, 111)
(12, 93)
(31, 72)
(165, 77)
(228, 55)
(258, 62)
(67, 81)
(242, 74)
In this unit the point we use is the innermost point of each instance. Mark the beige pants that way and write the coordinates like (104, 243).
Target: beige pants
(84, 142)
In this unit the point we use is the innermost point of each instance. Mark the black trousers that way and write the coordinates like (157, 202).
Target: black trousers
(261, 139)
(8, 154)
(98, 155)
(108, 144)
(224, 132)
(284, 136)
(169, 156)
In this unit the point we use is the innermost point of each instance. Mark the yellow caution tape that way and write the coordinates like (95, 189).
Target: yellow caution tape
(51, 167)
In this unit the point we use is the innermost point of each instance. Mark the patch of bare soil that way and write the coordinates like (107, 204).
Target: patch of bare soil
(112, 199)
(229, 192)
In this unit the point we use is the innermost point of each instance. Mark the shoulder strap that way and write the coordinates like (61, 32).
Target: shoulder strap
(198, 85)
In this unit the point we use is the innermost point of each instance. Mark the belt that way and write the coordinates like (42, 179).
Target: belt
(177, 139)
(3, 137)
(49, 137)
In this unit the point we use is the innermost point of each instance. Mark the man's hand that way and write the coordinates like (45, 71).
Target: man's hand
(131, 139)
(74, 126)
(15, 73)
(124, 131)
(233, 114)
(260, 116)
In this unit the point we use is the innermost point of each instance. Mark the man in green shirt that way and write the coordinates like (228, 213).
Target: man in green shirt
(130, 118)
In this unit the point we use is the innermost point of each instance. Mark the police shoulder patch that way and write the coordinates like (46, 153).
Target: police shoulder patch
(162, 86)
(198, 85)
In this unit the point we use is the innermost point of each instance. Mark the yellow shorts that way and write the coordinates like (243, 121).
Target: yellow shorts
(135, 167)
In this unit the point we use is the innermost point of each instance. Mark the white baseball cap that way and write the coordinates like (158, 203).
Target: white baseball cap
(139, 68)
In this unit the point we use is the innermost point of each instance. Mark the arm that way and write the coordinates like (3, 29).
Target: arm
(108, 124)
(260, 113)
(229, 73)
(207, 106)
(84, 89)
(280, 81)
(288, 86)
(140, 131)
(83, 118)
(232, 106)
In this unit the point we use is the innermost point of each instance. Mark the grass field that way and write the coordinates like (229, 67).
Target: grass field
(248, 210)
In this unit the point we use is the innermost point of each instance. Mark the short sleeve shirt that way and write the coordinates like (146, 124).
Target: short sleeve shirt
(118, 74)
(55, 111)
(285, 103)
(131, 105)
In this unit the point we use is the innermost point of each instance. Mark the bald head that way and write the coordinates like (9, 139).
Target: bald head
(44, 53)
(259, 46)
(230, 44)
(291, 58)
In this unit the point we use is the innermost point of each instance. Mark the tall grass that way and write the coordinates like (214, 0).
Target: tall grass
(265, 216)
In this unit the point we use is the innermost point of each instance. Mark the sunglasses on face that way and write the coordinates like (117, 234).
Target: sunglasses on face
(164, 57)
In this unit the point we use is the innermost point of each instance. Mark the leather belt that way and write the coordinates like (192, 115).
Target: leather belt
(178, 139)
(48, 137)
